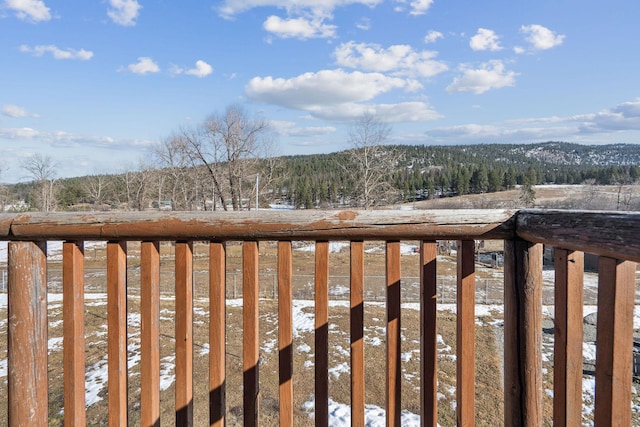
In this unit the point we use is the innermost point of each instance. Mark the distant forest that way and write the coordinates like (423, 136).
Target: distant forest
(328, 181)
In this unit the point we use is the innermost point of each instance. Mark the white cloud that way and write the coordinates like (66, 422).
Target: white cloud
(416, 7)
(625, 116)
(230, 8)
(485, 40)
(202, 69)
(64, 139)
(473, 133)
(400, 59)
(124, 12)
(491, 75)
(145, 65)
(432, 36)
(363, 24)
(300, 28)
(57, 53)
(287, 128)
(29, 10)
(326, 87)
(18, 133)
(16, 112)
(541, 38)
(392, 113)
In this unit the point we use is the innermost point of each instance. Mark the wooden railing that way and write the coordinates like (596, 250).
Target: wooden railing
(613, 236)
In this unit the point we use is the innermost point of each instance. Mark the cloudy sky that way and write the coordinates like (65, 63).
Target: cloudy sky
(96, 83)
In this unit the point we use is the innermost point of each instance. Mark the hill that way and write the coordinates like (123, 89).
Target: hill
(418, 172)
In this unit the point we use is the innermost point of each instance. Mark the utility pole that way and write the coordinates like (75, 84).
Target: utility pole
(257, 190)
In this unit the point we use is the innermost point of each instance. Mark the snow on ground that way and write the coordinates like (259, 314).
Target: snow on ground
(303, 321)
(340, 414)
(54, 249)
(335, 247)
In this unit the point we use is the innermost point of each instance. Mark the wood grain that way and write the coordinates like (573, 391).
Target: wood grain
(184, 333)
(73, 333)
(322, 334)
(27, 331)
(428, 335)
(117, 332)
(150, 333)
(568, 327)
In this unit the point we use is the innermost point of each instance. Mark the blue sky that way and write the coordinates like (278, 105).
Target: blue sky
(95, 84)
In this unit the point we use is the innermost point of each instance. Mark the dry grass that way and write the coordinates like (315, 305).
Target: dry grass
(487, 393)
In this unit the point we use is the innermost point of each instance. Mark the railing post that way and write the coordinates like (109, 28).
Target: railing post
(523, 333)
(150, 333)
(73, 333)
(616, 294)
(321, 337)
(357, 333)
(465, 336)
(184, 333)
(251, 338)
(117, 332)
(428, 335)
(27, 352)
(567, 358)
(285, 333)
(217, 333)
(394, 335)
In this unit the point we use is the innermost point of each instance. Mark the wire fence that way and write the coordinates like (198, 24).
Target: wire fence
(488, 290)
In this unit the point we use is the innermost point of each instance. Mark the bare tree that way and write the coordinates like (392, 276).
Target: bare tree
(235, 140)
(96, 187)
(4, 192)
(172, 158)
(138, 184)
(370, 161)
(43, 171)
(270, 171)
(208, 154)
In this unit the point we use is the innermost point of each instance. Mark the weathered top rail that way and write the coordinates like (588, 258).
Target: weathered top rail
(612, 234)
(262, 225)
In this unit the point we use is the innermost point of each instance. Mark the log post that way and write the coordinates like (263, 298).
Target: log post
(27, 352)
(522, 333)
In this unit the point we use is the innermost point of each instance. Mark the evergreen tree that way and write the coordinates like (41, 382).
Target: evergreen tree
(527, 193)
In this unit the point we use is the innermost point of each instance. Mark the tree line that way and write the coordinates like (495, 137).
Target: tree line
(228, 162)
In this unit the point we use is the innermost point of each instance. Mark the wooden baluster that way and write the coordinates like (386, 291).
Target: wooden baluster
(184, 333)
(322, 334)
(250, 326)
(150, 333)
(567, 358)
(217, 334)
(27, 342)
(428, 335)
(616, 295)
(394, 338)
(523, 333)
(73, 333)
(465, 336)
(357, 334)
(117, 332)
(285, 332)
